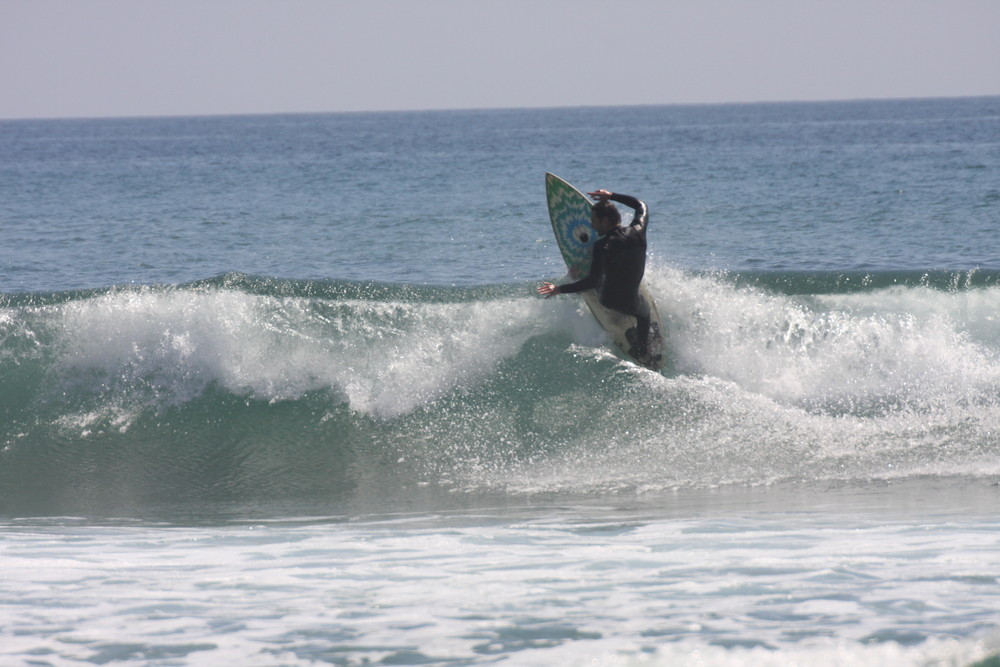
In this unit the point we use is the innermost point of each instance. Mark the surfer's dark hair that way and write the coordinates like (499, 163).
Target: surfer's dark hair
(605, 210)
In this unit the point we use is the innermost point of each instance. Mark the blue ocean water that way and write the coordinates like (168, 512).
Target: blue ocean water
(278, 390)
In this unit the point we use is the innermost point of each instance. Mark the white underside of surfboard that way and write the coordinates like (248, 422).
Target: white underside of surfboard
(618, 324)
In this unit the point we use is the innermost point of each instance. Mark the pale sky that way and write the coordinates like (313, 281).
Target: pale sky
(87, 58)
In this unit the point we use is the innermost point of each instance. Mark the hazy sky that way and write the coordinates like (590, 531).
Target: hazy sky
(72, 58)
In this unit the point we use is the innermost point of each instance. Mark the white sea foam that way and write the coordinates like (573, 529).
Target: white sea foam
(384, 358)
(754, 580)
(912, 345)
(769, 387)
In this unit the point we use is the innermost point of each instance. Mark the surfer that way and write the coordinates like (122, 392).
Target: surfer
(619, 262)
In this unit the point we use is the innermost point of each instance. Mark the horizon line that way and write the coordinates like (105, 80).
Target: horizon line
(224, 114)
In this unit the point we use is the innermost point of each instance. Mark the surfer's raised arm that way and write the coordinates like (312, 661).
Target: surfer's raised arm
(641, 217)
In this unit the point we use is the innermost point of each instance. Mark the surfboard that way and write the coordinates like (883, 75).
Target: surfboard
(569, 211)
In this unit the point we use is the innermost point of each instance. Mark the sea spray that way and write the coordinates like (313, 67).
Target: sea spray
(860, 352)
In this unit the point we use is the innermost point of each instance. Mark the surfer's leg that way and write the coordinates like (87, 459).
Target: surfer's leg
(638, 336)
(641, 334)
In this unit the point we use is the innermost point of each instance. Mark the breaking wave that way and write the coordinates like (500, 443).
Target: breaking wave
(245, 389)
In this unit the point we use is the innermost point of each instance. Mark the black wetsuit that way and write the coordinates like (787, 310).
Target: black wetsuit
(617, 267)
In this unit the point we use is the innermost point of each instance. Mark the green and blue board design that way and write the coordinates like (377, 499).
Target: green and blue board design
(569, 211)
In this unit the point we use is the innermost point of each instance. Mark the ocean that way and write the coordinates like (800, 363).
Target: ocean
(278, 390)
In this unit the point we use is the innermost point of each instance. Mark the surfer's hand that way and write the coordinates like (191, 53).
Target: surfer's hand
(600, 195)
(548, 289)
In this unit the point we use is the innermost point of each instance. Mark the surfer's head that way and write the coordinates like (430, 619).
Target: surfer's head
(604, 217)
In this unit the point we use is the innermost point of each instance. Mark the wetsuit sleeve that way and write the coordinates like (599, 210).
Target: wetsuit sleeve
(641, 218)
(592, 279)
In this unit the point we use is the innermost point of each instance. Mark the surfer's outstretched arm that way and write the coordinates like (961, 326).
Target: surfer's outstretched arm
(548, 289)
(589, 281)
(592, 279)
